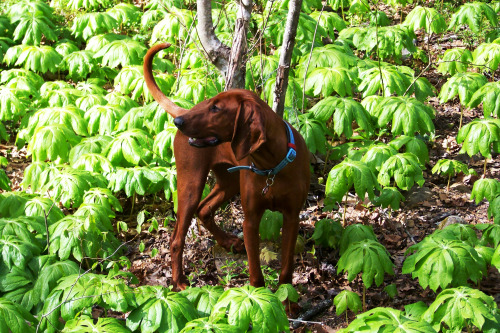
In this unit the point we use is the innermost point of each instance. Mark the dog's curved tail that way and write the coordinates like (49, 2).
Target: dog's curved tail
(169, 106)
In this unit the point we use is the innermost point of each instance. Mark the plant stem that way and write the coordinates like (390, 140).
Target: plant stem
(461, 116)
(326, 160)
(484, 168)
(364, 298)
(448, 186)
(345, 208)
(133, 203)
(346, 318)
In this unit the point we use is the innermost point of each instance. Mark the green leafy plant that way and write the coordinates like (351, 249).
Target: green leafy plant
(491, 233)
(76, 293)
(122, 52)
(69, 185)
(462, 84)
(346, 174)
(209, 324)
(485, 188)
(342, 112)
(43, 207)
(95, 144)
(387, 80)
(326, 56)
(125, 13)
(487, 55)
(86, 324)
(91, 24)
(79, 64)
(376, 155)
(489, 95)
(387, 319)
(451, 168)
(138, 180)
(389, 43)
(407, 115)
(39, 59)
(102, 197)
(270, 225)
(462, 307)
(473, 14)
(129, 148)
(15, 318)
(204, 298)
(389, 196)
(480, 136)
(257, 306)
(102, 119)
(405, 170)
(355, 233)
(441, 262)
(369, 257)
(52, 142)
(327, 233)
(13, 103)
(160, 309)
(347, 300)
(425, 18)
(326, 80)
(32, 25)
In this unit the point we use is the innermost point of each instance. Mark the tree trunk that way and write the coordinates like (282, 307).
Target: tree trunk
(235, 76)
(217, 52)
(286, 56)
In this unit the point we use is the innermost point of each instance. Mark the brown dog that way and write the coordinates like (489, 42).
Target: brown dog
(235, 128)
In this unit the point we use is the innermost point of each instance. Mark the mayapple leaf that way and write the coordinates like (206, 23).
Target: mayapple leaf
(249, 305)
(479, 136)
(473, 14)
(404, 168)
(347, 300)
(369, 257)
(462, 84)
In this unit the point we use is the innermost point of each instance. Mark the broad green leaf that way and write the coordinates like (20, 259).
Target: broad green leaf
(478, 136)
(160, 310)
(66, 47)
(405, 170)
(102, 119)
(174, 27)
(313, 131)
(125, 14)
(32, 25)
(163, 144)
(494, 210)
(491, 233)
(485, 188)
(489, 95)
(103, 197)
(95, 214)
(376, 155)
(39, 59)
(347, 299)
(487, 55)
(473, 14)
(249, 305)
(343, 112)
(132, 147)
(123, 52)
(210, 324)
(327, 233)
(326, 80)
(286, 292)
(13, 103)
(326, 56)
(52, 142)
(461, 307)
(88, 4)
(125, 102)
(134, 118)
(4, 181)
(346, 174)
(95, 145)
(407, 115)
(79, 64)
(369, 257)
(355, 233)
(140, 180)
(387, 80)
(86, 324)
(387, 320)
(330, 21)
(412, 144)
(97, 42)
(70, 185)
(270, 225)
(425, 18)
(450, 167)
(87, 101)
(43, 207)
(389, 196)
(203, 298)
(440, 262)
(93, 23)
(14, 318)
(462, 84)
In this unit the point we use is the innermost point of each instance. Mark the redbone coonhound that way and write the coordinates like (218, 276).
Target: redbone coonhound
(233, 129)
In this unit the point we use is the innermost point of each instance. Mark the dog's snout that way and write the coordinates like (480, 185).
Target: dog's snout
(179, 122)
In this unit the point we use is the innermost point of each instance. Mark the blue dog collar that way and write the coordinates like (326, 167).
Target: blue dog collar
(290, 156)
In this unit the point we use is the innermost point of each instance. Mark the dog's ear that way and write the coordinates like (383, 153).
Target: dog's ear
(249, 129)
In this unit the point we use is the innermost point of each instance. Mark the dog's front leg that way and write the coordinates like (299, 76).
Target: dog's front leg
(251, 237)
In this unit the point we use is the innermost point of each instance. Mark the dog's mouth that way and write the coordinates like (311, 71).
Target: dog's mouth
(209, 141)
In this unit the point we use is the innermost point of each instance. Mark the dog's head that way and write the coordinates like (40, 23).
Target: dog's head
(235, 116)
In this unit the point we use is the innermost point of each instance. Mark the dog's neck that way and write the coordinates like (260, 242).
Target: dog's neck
(274, 149)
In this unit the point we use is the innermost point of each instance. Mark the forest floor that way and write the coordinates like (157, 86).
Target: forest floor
(425, 209)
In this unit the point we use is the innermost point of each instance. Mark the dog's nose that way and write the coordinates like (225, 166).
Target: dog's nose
(179, 122)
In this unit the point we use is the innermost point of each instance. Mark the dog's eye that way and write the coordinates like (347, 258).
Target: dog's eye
(214, 108)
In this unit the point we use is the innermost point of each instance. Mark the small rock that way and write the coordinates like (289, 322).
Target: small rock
(460, 187)
(418, 195)
(452, 219)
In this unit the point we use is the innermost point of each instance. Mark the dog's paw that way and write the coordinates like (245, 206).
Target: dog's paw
(180, 285)
(234, 244)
